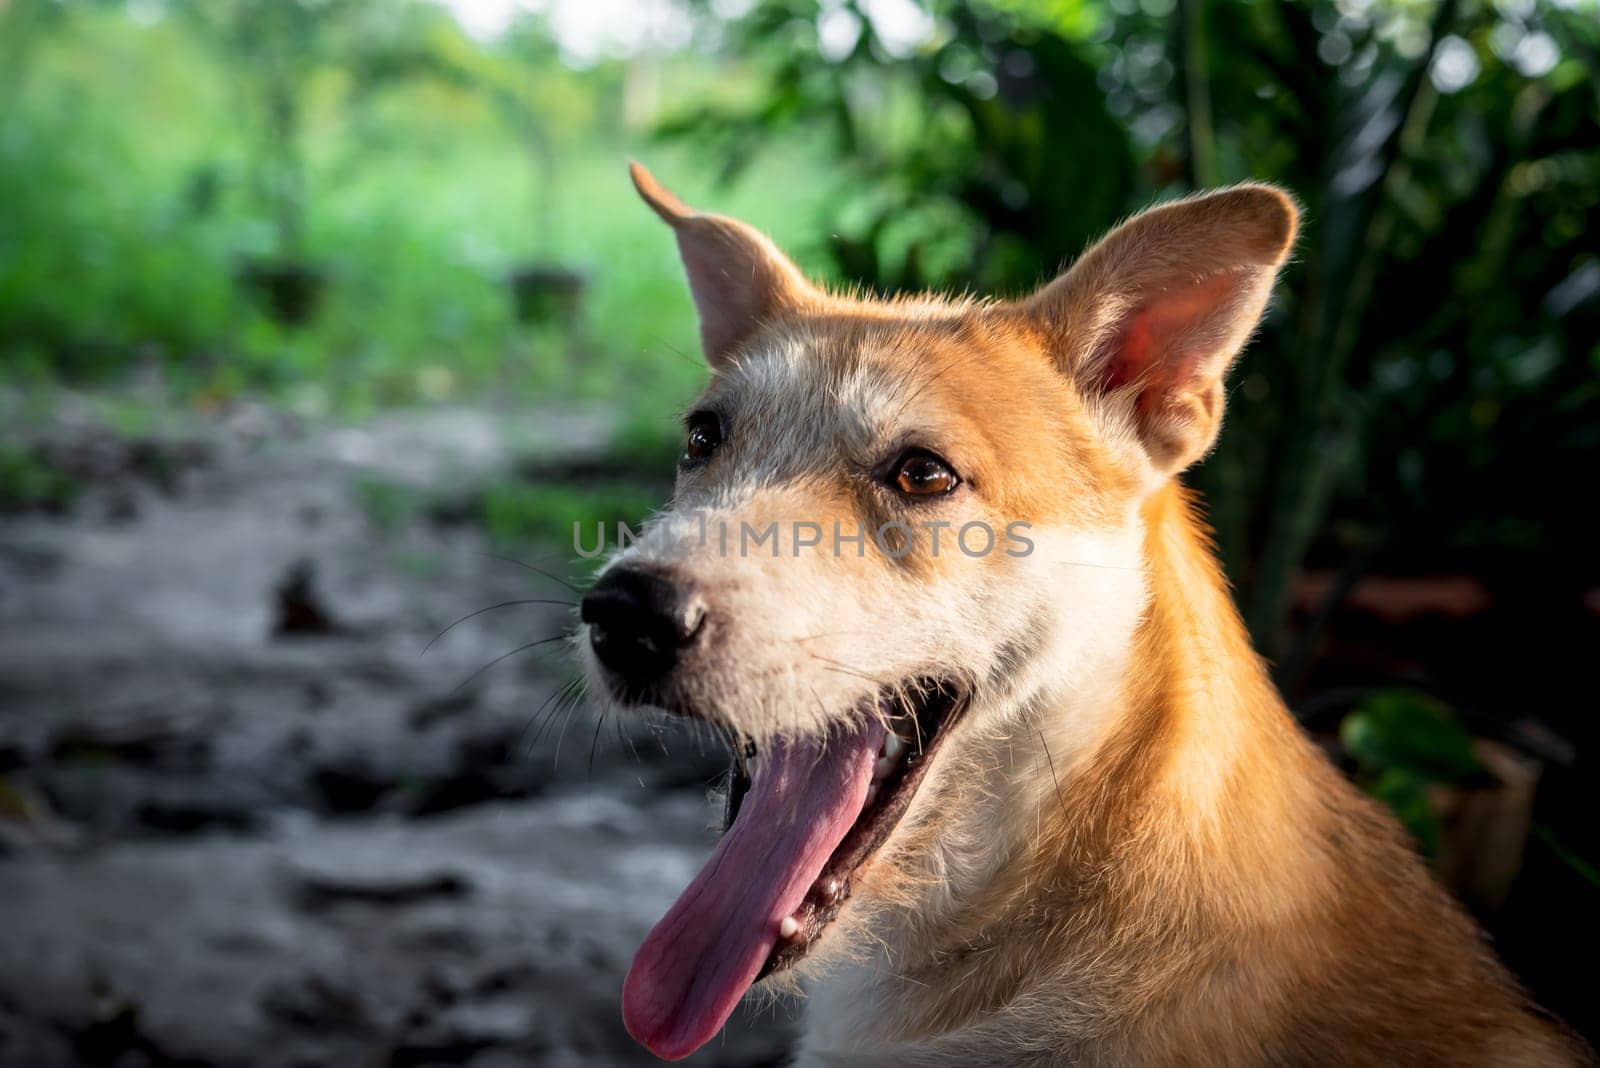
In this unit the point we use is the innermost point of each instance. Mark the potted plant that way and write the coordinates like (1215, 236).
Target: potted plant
(1468, 801)
(544, 292)
(273, 48)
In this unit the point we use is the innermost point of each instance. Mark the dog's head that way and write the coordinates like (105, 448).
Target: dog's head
(899, 525)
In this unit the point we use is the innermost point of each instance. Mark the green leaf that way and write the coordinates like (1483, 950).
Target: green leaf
(1406, 794)
(1409, 731)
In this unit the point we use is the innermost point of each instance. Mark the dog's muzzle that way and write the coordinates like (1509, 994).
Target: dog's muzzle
(641, 622)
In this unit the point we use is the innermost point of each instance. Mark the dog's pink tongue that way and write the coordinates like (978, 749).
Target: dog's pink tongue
(698, 961)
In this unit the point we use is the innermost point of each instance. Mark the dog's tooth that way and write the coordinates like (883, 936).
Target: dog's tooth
(884, 766)
(893, 746)
(872, 794)
(788, 928)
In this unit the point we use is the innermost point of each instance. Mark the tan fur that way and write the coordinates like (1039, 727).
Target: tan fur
(1176, 904)
(1126, 853)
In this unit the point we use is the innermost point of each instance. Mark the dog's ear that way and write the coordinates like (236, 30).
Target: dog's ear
(1149, 319)
(737, 276)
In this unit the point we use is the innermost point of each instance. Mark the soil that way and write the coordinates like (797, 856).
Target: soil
(245, 821)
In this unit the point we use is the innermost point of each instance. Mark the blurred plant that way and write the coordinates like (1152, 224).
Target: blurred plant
(1447, 151)
(518, 73)
(543, 292)
(1413, 161)
(975, 157)
(99, 250)
(28, 481)
(273, 48)
(532, 106)
(514, 74)
(1405, 742)
(280, 53)
(516, 513)
(23, 23)
(131, 143)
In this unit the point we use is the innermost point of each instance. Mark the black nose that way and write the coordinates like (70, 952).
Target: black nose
(641, 621)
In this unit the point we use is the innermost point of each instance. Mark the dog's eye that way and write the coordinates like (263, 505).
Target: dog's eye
(922, 474)
(705, 434)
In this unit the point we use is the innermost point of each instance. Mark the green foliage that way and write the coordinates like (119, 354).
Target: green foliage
(142, 180)
(28, 481)
(1585, 870)
(979, 160)
(1405, 793)
(99, 246)
(650, 444)
(1404, 742)
(1446, 154)
(515, 513)
(1409, 730)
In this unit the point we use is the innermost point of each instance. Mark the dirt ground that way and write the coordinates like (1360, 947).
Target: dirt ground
(244, 821)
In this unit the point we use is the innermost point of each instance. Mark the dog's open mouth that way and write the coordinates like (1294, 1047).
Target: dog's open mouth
(803, 817)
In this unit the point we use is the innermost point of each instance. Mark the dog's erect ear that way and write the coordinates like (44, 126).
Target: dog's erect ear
(737, 276)
(1153, 314)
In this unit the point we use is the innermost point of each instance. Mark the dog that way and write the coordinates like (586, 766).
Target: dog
(1038, 803)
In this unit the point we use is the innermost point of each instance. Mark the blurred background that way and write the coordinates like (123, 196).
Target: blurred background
(322, 321)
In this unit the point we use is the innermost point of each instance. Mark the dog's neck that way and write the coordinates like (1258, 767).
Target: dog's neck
(1191, 800)
(1184, 718)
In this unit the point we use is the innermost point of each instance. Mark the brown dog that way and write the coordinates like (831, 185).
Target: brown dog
(1011, 785)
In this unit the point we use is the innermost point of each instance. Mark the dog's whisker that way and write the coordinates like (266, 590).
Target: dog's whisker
(545, 711)
(566, 720)
(627, 739)
(1054, 777)
(519, 649)
(1104, 567)
(594, 744)
(524, 745)
(494, 607)
(552, 576)
(842, 667)
(849, 674)
(821, 708)
(562, 711)
(829, 634)
(658, 731)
